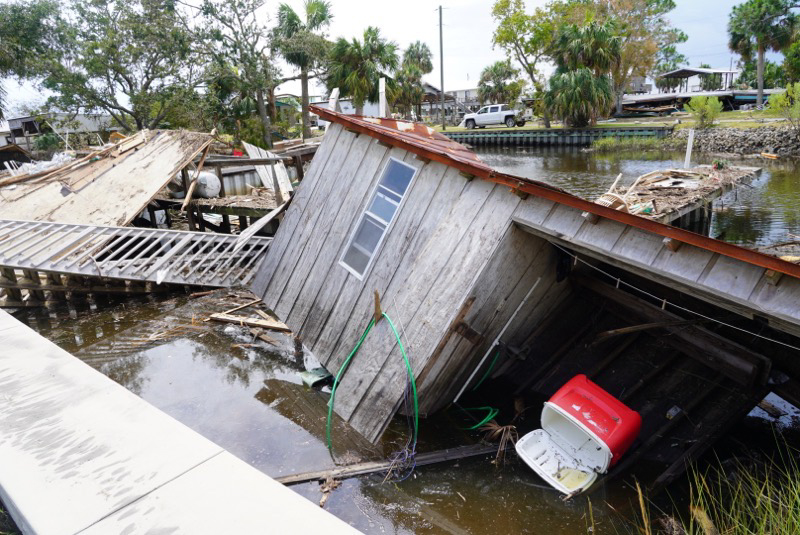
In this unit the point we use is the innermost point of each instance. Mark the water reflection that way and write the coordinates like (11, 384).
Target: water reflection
(250, 400)
(765, 212)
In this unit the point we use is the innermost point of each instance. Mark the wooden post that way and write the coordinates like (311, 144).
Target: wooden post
(8, 276)
(32, 277)
(189, 213)
(226, 220)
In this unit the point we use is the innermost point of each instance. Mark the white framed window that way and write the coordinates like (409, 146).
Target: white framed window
(374, 223)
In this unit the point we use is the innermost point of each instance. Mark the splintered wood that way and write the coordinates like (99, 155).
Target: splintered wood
(107, 187)
(667, 195)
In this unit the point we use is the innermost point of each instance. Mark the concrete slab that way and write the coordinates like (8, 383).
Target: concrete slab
(79, 451)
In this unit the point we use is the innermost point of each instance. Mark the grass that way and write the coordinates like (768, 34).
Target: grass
(7, 526)
(615, 144)
(747, 500)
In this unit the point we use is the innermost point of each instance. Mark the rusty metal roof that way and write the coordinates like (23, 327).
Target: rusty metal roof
(417, 134)
(429, 144)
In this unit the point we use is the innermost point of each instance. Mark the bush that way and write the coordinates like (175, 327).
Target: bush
(787, 104)
(704, 110)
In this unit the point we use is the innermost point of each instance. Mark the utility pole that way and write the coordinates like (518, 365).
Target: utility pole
(441, 65)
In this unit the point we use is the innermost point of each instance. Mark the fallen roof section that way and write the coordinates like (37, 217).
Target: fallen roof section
(107, 187)
(431, 146)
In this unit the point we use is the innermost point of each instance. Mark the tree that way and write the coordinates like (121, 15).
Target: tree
(774, 75)
(594, 46)
(408, 91)
(241, 60)
(28, 31)
(642, 27)
(791, 62)
(644, 32)
(356, 67)
(787, 104)
(499, 83)
(704, 110)
(758, 26)
(581, 89)
(525, 39)
(579, 97)
(709, 82)
(417, 62)
(301, 44)
(131, 58)
(668, 59)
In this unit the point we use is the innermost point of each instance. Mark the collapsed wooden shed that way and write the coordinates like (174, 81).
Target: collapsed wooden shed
(462, 255)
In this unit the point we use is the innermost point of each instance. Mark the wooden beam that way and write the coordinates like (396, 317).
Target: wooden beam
(372, 467)
(273, 325)
(744, 366)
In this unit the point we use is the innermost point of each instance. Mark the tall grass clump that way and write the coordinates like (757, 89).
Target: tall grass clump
(748, 500)
(751, 500)
(616, 144)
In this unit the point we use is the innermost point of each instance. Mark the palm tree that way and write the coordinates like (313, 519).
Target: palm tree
(417, 62)
(593, 46)
(579, 97)
(408, 91)
(499, 83)
(300, 45)
(356, 67)
(760, 25)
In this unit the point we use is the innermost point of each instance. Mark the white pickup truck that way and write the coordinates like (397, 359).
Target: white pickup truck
(494, 114)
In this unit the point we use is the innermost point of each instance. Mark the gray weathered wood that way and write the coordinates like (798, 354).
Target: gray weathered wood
(344, 193)
(290, 222)
(309, 210)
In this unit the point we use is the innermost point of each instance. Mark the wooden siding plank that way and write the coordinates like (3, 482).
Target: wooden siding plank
(336, 297)
(285, 234)
(326, 275)
(340, 191)
(512, 270)
(603, 234)
(565, 221)
(733, 277)
(309, 214)
(352, 310)
(435, 310)
(405, 285)
(638, 246)
(687, 262)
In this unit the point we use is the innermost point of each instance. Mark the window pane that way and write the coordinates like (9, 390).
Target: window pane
(368, 234)
(356, 260)
(382, 206)
(493, 109)
(397, 177)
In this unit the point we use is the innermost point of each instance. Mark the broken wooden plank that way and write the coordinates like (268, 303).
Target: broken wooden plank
(371, 467)
(744, 366)
(273, 325)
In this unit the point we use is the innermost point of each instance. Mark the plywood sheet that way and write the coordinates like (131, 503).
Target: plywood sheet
(111, 190)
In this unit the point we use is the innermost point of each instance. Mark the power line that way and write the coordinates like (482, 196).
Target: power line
(665, 302)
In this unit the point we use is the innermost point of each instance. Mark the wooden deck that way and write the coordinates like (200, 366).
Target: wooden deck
(81, 454)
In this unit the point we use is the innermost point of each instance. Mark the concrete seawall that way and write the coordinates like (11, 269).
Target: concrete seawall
(81, 454)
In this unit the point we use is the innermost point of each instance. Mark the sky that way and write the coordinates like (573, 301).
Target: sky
(467, 35)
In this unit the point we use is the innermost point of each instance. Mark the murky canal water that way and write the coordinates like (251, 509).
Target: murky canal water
(246, 394)
(764, 213)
